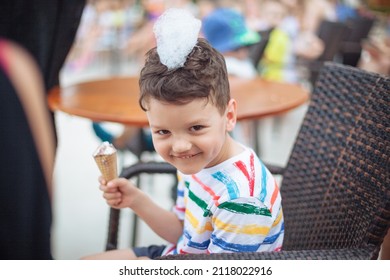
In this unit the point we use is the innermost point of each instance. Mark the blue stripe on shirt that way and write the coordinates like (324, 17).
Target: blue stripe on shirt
(234, 247)
(229, 183)
(263, 192)
(200, 246)
(273, 238)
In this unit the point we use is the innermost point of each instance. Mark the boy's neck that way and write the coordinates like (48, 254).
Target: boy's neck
(230, 149)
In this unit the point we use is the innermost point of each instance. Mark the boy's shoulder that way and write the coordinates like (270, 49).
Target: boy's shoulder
(242, 178)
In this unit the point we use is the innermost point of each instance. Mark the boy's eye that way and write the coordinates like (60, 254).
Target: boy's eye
(162, 132)
(197, 127)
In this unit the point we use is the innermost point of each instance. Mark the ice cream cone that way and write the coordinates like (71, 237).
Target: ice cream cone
(106, 159)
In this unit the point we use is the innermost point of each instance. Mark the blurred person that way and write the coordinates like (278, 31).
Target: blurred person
(288, 41)
(207, 6)
(46, 29)
(142, 39)
(276, 64)
(286, 44)
(104, 26)
(226, 31)
(88, 33)
(376, 55)
(316, 11)
(131, 138)
(306, 43)
(27, 149)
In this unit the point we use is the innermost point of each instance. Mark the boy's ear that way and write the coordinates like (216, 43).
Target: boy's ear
(231, 115)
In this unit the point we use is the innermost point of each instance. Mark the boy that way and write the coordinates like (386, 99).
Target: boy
(227, 200)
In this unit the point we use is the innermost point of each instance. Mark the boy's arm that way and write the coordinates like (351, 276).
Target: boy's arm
(163, 222)
(121, 193)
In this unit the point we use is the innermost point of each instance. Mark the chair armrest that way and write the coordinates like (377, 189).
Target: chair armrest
(150, 167)
(333, 254)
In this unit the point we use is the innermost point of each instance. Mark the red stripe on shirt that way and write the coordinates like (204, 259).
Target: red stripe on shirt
(207, 189)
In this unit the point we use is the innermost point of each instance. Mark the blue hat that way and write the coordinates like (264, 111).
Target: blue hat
(226, 30)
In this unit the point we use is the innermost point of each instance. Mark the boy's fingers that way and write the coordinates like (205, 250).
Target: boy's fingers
(114, 202)
(111, 184)
(102, 181)
(109, 196)
(108, 189)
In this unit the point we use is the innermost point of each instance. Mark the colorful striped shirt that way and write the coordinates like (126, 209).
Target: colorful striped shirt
(234, 206)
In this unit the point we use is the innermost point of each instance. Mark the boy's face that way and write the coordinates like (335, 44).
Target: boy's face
(191, 136)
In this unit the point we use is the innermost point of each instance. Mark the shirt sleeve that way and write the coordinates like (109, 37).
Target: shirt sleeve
(180, 207)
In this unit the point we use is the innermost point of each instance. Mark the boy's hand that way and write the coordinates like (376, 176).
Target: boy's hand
(119, 192)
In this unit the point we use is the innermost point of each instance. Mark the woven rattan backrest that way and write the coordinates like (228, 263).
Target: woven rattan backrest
(336, 185)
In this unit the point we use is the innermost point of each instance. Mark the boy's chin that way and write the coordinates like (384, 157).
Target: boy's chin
(188, 169)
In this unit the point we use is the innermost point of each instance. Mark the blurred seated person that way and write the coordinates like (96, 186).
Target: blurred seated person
(376, 55)
(276, 62)
(143, 39)
(103, 28)
(227, 32)
(316, 11)
(306, 43)
(134, 139)
(287, 42)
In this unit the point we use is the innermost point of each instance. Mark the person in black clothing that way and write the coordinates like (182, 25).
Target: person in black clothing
(46, 29)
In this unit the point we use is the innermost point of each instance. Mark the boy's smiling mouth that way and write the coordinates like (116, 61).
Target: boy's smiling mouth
(187, 156)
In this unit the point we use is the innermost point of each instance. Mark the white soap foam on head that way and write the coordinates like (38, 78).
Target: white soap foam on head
(176, 32)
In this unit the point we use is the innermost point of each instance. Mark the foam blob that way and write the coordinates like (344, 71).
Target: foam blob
(176, 32)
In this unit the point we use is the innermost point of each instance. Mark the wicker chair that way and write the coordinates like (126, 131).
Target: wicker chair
(336, 185)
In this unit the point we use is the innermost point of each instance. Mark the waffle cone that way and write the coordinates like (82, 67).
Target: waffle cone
(107, 163)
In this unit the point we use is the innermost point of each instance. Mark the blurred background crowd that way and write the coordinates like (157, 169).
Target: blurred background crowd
(119, 32)
(278, 40)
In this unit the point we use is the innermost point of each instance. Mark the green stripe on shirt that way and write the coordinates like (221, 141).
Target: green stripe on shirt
(244, 208)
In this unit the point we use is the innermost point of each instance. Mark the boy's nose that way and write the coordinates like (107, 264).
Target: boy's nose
(181, 145)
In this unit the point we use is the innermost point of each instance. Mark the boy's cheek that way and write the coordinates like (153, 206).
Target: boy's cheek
(160, 148)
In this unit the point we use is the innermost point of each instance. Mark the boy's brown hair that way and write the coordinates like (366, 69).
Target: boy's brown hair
(203, 75)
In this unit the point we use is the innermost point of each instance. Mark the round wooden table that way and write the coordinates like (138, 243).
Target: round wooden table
(116, 99)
